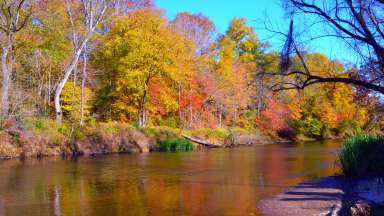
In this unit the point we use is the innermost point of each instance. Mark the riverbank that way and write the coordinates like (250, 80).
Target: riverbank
(332, 195)
(41, 137)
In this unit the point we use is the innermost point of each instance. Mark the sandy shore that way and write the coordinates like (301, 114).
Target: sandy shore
(319, 197)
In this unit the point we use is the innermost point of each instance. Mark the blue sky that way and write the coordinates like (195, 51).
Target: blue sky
(256, 12)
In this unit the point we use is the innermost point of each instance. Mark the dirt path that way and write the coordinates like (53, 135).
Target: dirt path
(320, 197)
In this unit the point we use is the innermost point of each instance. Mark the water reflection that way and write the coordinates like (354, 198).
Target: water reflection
(214, 182)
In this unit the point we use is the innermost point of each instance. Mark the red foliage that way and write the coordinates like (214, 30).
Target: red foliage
(191, 96)
(274, 118)
(155, 92)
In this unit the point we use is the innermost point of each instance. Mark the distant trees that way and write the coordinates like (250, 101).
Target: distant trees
(83, 61)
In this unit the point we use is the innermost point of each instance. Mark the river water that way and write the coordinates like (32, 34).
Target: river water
(210, 182)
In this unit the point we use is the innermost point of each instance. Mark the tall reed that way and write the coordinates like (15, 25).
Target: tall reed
(363, 156)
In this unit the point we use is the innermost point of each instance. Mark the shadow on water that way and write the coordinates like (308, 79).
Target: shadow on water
(212, 182)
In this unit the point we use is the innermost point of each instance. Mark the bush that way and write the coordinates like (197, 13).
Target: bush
(161, 133)
(169, 122)
(248, 121)
(217, 135)
(209, 132)
(48, 129)
(111, 128)
(363, 156)
(349, 128)
(310, 127)
(174, 145)
(71, 101)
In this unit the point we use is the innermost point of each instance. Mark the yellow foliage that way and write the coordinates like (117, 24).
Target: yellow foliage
(71, 101)
(295, 108)
(141, 52)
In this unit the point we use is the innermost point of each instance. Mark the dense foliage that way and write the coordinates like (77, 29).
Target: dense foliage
(142, 69)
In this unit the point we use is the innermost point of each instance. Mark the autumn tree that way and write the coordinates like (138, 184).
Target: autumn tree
(236, 55)
(14, 16)
(139, 56)
(42, 49)
(199, 30)
(275, 118)
(324, 109)
(93, 14)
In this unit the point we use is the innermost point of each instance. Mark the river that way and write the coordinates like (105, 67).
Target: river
(209, 182)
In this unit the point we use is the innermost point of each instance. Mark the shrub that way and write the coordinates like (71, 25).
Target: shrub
(71, 101)
(363, 156)
(49, 130)
(110, 128)
(209, 132)
(161, 133)
(248, 121)
(169, 122)
(310, 127)
(174, 145)
(217, 135)
(349, 128)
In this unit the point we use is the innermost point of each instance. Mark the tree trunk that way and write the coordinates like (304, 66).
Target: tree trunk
(202, 142)
(141, 118)
(61, 84)
(83, 87)
(144, 118)
(142, 115)
(179, 101)
(6, 82)
(49, 86)
(190, 108)
(220, 117)
(93, 20)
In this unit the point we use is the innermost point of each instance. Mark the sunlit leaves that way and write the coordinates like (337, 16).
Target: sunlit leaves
(144, 60)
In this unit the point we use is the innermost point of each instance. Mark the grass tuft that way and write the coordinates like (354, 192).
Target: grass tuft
(173, 145)
(363, 156)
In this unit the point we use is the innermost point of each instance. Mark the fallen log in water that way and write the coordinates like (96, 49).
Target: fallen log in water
(202, 142)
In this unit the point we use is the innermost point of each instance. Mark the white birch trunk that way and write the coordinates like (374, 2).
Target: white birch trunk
(83, 88)
(5, 83)
(67, 73)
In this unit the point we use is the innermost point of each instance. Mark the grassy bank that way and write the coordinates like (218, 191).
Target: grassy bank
(362, 156)
(44, 137)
